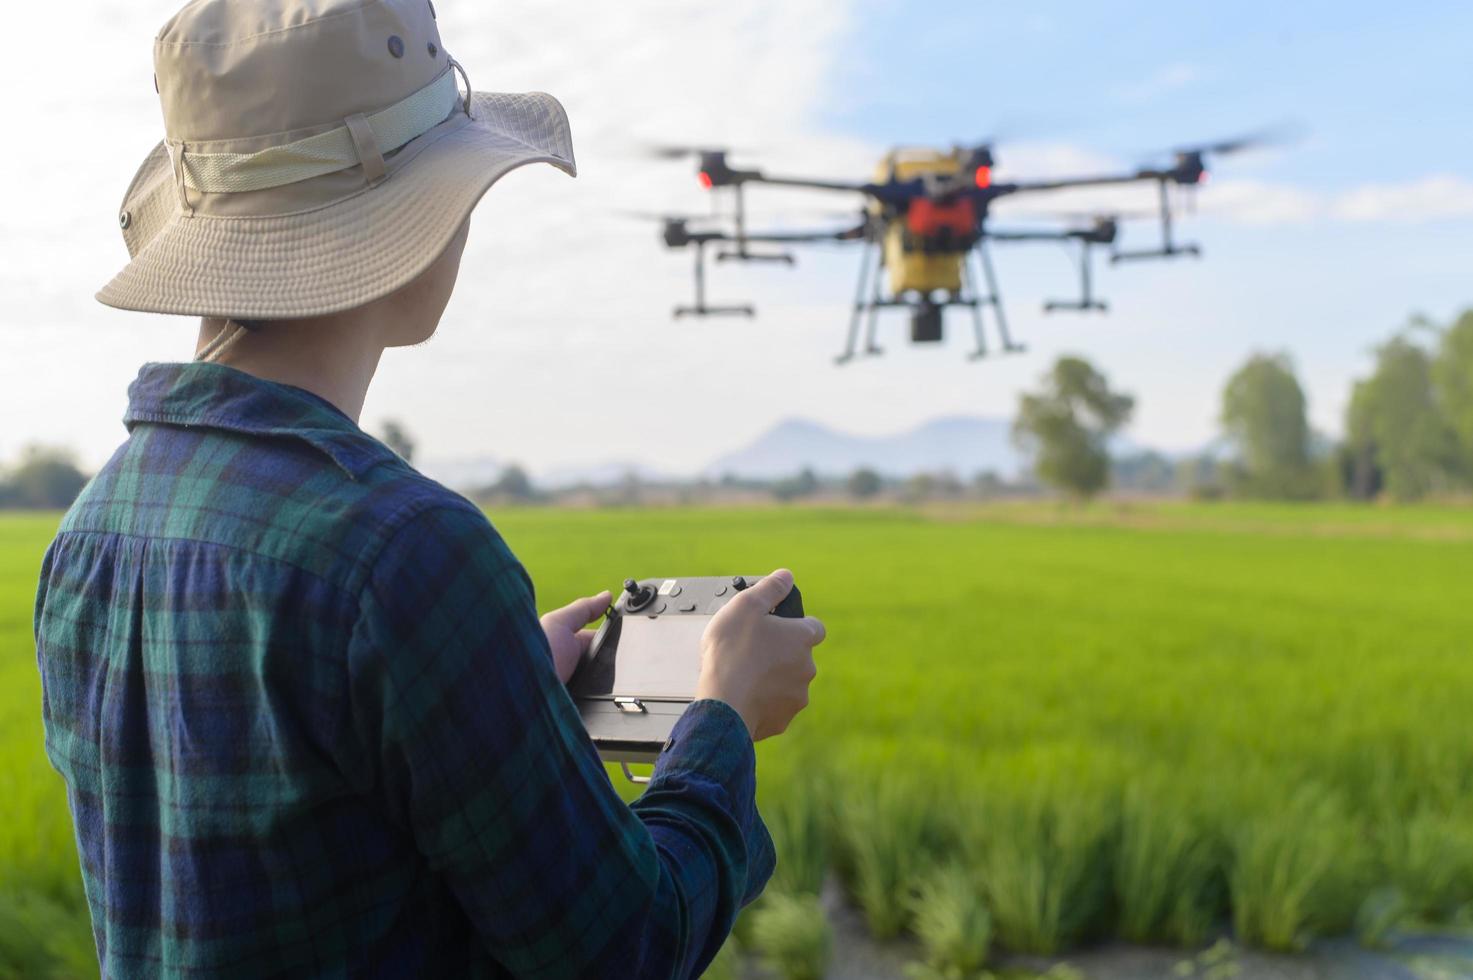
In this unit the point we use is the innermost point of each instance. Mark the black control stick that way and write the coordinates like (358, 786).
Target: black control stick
(638, 596)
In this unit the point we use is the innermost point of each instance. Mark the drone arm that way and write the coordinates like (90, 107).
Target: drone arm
(1030, 236)
(1099, 180)
(782, 237)
(807, 183)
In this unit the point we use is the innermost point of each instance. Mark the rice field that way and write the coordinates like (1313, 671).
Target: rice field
(1033, 729)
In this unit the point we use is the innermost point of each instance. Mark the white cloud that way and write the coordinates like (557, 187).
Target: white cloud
(1433, 198)
(1259, 202)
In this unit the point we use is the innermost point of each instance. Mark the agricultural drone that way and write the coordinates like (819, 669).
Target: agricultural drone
(922, 220)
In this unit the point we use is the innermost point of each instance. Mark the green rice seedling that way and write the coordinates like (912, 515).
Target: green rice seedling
(798, 823)
(793, 935)
(1168, 868)
(1429, 858)
(951, 920)
(1042, 855)
(1289, 859)
(884, 830)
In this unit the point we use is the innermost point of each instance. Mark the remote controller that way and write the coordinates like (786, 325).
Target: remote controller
(641, 669)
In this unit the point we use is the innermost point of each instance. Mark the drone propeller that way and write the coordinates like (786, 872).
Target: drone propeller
(666, 151)
(1267, 136)
(980, 150)
(684, 151)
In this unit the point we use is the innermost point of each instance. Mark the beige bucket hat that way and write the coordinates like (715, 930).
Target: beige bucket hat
(318, 154)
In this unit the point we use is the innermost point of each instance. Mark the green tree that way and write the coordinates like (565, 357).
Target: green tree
(804, 484)
(1397, 432)
(863, 483)
(1067, 423)
(1263, 415)
(45, 478)
(1452, 374)
(514, 484)
(397, 438)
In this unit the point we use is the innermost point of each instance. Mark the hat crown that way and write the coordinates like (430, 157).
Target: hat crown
(245, 69)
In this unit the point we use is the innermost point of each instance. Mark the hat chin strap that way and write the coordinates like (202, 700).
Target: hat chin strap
(359, 141)
(222, 341)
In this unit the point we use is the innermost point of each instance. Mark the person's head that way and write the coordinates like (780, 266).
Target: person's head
(407, 316)
(320, 166)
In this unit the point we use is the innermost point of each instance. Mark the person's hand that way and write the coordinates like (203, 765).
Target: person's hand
(566, 635)
(759, 664)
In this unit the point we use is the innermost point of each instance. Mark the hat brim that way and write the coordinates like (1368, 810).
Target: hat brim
(341, 255)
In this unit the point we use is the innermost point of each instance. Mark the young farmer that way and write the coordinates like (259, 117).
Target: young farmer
(308, 719)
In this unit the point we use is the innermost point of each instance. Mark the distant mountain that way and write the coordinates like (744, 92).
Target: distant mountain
(962, 444)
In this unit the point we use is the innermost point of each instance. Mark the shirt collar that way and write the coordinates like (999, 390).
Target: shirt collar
(219, 397)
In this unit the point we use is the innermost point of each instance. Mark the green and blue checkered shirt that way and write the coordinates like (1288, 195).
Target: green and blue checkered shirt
(309, 724)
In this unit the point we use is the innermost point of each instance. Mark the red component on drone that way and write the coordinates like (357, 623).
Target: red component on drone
(704, 179)
(930, 219)
(984, 177)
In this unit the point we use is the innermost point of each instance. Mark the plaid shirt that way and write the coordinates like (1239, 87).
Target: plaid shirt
(309, 723)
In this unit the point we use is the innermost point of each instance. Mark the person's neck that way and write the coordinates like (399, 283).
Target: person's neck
(334, 357)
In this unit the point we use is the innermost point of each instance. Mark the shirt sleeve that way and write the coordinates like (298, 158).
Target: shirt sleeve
(478, 750)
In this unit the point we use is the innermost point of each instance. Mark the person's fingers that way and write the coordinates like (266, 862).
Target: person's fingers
(585, 640)
(580, 612)
(769, 591)
(808, 631)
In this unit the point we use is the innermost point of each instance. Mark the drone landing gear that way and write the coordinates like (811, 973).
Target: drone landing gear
(1169, 249)
(742, 310)
(700, 308)
(744, 256)
(992, 299)
(863, 306)
(1086, 302)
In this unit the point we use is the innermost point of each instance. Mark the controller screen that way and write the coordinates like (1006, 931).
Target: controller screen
(654, 658)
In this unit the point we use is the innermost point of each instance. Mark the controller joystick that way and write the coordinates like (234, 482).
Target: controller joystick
(637, 596)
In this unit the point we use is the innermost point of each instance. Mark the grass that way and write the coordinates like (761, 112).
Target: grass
(1146, 720)
(1169, 864)
(44, 929)
(883, 824)
(793, 936)
(952, 924)
(1294, 864)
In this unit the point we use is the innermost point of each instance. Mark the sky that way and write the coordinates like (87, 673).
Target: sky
(558, 351)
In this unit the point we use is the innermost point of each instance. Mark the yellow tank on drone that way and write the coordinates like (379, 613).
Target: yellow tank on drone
(924, 252)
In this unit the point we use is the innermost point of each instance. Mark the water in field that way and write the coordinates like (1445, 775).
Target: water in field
(1153, 724)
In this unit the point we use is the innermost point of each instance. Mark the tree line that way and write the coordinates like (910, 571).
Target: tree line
(1408, 426)
(1408, 435)
(43, 478)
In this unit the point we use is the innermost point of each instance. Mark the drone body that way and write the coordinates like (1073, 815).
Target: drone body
(923, 226)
